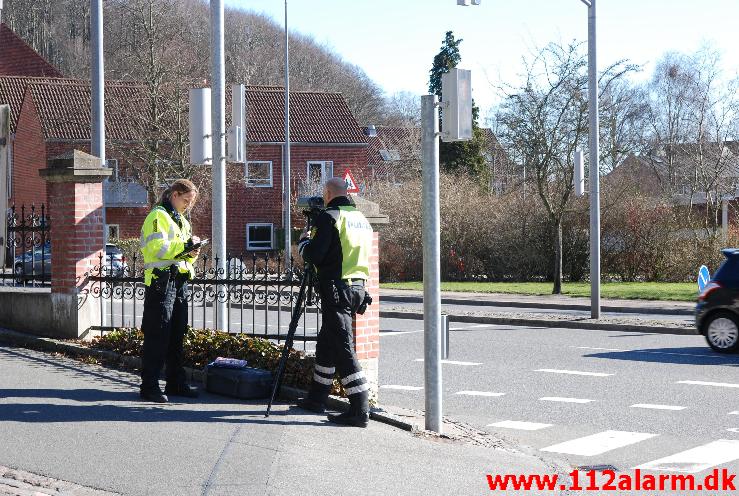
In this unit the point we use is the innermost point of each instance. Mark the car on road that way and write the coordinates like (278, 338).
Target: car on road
(36, 263)
(33, 264)
(717, 310)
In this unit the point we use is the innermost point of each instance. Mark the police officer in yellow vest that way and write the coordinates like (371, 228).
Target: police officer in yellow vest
(340, 250)
(169, 252)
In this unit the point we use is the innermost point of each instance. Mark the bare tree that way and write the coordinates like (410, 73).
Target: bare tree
(693, 118)
(545, 120)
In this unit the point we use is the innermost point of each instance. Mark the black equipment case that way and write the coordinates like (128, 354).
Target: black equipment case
(246, 383)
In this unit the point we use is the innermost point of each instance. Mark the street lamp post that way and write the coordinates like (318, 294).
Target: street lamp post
(594, 159)
(286, 193)
(218, 127)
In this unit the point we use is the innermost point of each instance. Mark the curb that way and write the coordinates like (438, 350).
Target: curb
(551, 306)
(286, 392)
(568, 324)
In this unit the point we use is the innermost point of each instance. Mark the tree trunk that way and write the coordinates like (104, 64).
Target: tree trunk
(557, 257)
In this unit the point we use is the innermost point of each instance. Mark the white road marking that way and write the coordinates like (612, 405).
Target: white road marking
(697, 459)
(516, 424)
(397, 333)
(401, 388)
(452, 362)
(704, 383)
(734, 430)
(598, 349)
(734, 413)
(658, 407)
(565, 400)
(598, 443)
(479, 393)
(573, 372)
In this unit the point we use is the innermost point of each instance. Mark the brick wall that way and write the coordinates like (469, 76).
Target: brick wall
(29, 156)
(129, 220)
(367, 326)
(76, 233)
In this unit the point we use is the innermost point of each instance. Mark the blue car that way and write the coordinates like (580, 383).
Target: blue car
(717, 311)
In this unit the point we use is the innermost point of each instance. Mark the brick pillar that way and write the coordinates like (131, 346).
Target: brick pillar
(75, 205)
(367, 326)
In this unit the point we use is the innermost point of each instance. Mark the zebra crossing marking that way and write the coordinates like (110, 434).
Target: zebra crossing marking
(696, 459)
(599, 443)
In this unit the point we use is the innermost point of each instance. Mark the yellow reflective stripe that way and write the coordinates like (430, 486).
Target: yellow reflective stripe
(156, 235)
(163, 250)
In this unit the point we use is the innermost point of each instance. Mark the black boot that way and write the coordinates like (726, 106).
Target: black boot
(185, 390)
(358, 414)
(316, 399)
(153, 395)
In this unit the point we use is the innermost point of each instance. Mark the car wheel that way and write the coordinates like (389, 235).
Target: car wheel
(722, 332)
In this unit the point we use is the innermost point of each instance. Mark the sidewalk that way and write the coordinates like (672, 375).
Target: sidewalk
(84, 424)
(670, 317)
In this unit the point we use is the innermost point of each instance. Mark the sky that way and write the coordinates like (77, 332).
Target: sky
(394, 41)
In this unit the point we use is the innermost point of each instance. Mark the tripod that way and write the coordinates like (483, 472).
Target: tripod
(305, 294)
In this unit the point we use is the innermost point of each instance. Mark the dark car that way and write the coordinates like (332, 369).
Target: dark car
(36, 263)
(717, 311)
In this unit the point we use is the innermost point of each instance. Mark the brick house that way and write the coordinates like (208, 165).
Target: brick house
(395, 154)
(19, 59)
(51, 115)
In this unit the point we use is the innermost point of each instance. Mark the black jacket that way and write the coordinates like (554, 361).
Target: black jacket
(324, 248)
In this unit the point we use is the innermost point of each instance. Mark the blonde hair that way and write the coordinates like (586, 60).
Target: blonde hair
(181, 186)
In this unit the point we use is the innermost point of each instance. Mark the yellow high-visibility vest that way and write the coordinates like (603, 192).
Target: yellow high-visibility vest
(162, 240)
(355, 235)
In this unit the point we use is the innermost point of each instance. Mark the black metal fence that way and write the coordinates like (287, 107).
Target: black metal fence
(27, 247)
(258, 290)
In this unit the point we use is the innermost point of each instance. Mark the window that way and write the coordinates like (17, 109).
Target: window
(114, 231)
(258, 174)
(320, 171)
(112, 163)
(259, 237)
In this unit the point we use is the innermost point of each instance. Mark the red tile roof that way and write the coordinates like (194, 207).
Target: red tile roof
(314, 117)
(17, 58)
(64, 111)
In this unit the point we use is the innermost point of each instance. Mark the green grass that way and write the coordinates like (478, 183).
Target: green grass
(680, 291)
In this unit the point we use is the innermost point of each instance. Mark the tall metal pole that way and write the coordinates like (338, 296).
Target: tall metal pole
(594, 167)
(286, 162)
(431, 263)
(218, 103)
(97, 87)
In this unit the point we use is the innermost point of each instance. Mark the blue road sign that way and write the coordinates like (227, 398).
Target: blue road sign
(703, 277)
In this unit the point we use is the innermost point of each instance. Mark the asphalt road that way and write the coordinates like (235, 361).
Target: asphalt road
(591, 397)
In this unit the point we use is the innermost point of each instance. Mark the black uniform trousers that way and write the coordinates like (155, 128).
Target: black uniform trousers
(164, 323)
(335, 345)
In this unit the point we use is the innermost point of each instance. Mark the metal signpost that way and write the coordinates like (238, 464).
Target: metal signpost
(457, 102)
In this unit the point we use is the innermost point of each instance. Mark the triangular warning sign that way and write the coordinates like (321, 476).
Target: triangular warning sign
(351, 184)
